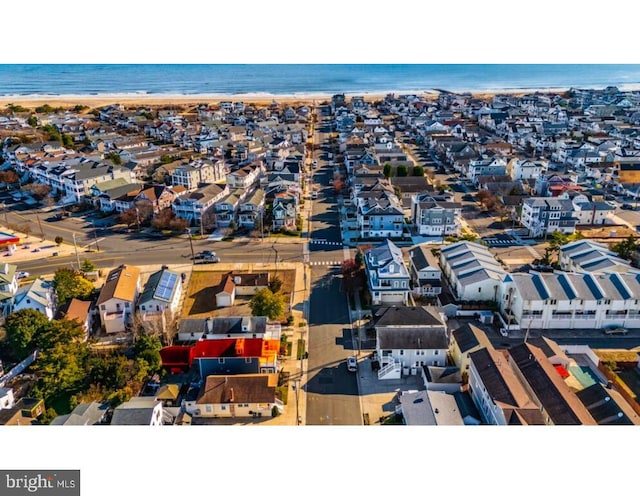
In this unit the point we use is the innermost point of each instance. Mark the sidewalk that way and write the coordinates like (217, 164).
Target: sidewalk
(34, 248)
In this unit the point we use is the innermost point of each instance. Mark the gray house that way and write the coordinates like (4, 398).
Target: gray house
(435, 218)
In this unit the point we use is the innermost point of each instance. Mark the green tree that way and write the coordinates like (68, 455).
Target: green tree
(626, 249)
(70, 283)
(418, 170)
(359, 258)
(115, 158)
(22, 327)
(59, 332)
(275, 285)
(58, 240)
(32, 121)
(67, 141)
(387, 170)
(61, 369)
(402, 171)
(265, 303)
(87, 266)
(148, 349)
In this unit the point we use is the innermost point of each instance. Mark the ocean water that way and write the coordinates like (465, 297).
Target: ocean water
(285, 79)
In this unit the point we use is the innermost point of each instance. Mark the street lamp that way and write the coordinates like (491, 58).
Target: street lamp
(273, 247)
(296, 387)
(193, 256)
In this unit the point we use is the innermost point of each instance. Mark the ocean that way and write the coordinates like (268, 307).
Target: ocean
(292, 79)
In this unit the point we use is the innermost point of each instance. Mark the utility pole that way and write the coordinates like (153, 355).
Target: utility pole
(193, 256)
(40, 225)
(95, 235)
(75, 247)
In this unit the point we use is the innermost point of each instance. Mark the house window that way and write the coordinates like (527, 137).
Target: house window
(479, 290)
(247, 360)
(220, 360)
(435, 352)
(401, 352)
(127, 304)
(143, 308)
(207, 408)
(223, 407)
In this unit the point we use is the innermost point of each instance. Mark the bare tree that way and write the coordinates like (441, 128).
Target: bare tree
(163, 325)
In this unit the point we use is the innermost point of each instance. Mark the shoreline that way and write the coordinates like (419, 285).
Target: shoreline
(159, 99)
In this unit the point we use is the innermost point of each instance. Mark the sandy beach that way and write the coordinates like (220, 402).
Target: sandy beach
(260, 99)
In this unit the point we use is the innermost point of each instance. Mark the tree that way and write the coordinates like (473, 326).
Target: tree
(39, 191)
(418, 170)
(148, 349)
(275, 285)
(387, 170)
(265, 303)
(115, 158)
(626, 249)
(359, 258)
(70, 283)
(32, 121)
(402, 171)
(87, 266)
(58, 240)
(22, 327)
(129, 217)
(59, 332)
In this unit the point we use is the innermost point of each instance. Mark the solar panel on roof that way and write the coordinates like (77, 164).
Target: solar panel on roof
(617, 282)
(566, 286)
(166, 285)
(540, 287)
(593, 286)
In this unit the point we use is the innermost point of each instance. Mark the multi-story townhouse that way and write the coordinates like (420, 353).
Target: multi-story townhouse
(117, 298)
(570, 300)
(251, 210)
(520, 169)
(435, 218)
(387, 275)
(246, 177)
(472, 271)
(542, 216)
(588, 256)
(426, 275)
(486, 167)
(197, 173)
(193, 205)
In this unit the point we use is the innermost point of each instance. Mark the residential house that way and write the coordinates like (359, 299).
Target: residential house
(158, 197)
(387, 276)
(589, 256)
(557, 403)
(542, 216)
(435, 218)
(246, 177)
(519, 169)
(407, 338)
(93, 413)
(571, 300)
(80, 311)
(472, 271)
(593, 212)
(429, 408)
(379, 213)
(464, 341)
(284, 212)
(607, 406)
(8, 285)
(26, 411)
(194, 205)
(117, 195)
(497, 392)
(139, 410)
(228, 327)
(236, 396)
(486, 167)
(251, 210)
(426, 275)
(116, 301)
(226, 208)
(38, 295)
(7, 398)
(161, 295)
(226, 293)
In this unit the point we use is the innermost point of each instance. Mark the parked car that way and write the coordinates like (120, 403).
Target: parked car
(626, 206)
(22, 275)
(616, 330)
(352, 364)
(206, 257)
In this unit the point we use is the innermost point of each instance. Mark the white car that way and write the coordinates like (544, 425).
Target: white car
(22, 275)
(352, 364)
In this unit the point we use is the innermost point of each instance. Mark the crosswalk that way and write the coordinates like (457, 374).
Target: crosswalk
(500, 242)
(327, 262)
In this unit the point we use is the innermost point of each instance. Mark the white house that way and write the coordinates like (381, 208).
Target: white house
(7, 399)
(472, 271)
(408, 338)
(426, 275)
(570, 300)
(520, 169)
(38, 295)
(8, 285)
(117, 298)
(497, 393)
(161, 294)
(589, 256)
